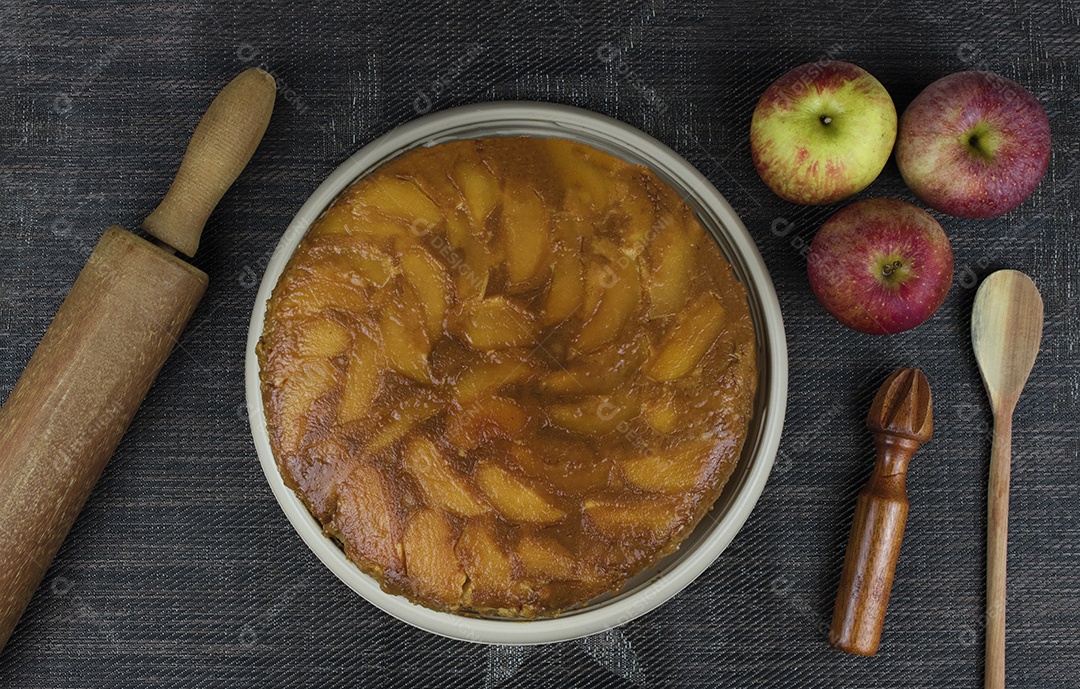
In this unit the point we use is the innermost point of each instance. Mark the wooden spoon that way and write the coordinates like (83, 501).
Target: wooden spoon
(1006, 328)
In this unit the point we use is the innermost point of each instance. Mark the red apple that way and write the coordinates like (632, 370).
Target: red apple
(973, 144)
(880, 266)
(822, 132)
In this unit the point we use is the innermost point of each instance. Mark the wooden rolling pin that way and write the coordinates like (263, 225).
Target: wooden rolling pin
(112, 334)
(900, 418)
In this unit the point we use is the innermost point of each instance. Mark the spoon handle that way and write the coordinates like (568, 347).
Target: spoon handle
(997, 544)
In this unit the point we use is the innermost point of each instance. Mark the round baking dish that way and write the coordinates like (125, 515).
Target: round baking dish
(651, 587)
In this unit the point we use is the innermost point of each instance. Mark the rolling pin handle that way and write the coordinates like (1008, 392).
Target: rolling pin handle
(222, 144)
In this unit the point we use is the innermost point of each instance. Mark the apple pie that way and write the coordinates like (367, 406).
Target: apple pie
(507, 374)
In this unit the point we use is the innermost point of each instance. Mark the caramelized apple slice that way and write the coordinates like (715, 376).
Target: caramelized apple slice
(440, 188)
(569, 225)
(568, 467)
(473, 267)
(594, 414)
(401, 420)
(479, 188)
(350, 261)
(338, 219)
(353, 260)
(508, 367)
(676, 470)
(430, 561)
(483, 420)
(320, 469)
(489, 567)
(661, 411)
(495, 323)
(323, 338)
(309, 295)
(671, 260)
(405, 339)
(298, 391)
(399, 198)
(375, 225)
(576, 380)
(370, 265)
(440, 484)
(619, 293)
(363, 379)
(545, 558)
(364, 519)
(619, 517)
(513, 498)
(526, 235)
(687, 342)
(457, 228)
(431, 282)
(640, 214)
(600, 372)
(567, 289)
(578, 169)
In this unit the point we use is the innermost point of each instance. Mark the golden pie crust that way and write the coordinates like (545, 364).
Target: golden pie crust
(507, 374)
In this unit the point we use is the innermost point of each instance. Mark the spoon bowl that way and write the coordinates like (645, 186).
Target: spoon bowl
(1006, 329)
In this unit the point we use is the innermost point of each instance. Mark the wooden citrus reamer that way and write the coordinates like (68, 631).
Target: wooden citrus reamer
(106, 344)
(901, 418)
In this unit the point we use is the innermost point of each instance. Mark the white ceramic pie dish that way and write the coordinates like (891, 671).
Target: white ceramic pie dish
(654, 586)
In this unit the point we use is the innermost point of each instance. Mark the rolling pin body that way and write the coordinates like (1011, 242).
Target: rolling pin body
(77, 396)
(107, 343)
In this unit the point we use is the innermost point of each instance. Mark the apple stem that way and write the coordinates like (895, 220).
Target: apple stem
(889, 268)
(825, 119)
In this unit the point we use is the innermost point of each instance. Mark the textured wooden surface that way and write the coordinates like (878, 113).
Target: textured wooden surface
(107, 343)
(900, 418)
(222, 144)
(182, 571)
(80, 390)
(1006, 331)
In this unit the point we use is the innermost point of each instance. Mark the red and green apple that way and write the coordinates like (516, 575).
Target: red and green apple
(880, 266)
(822, 132)
(973, 144)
